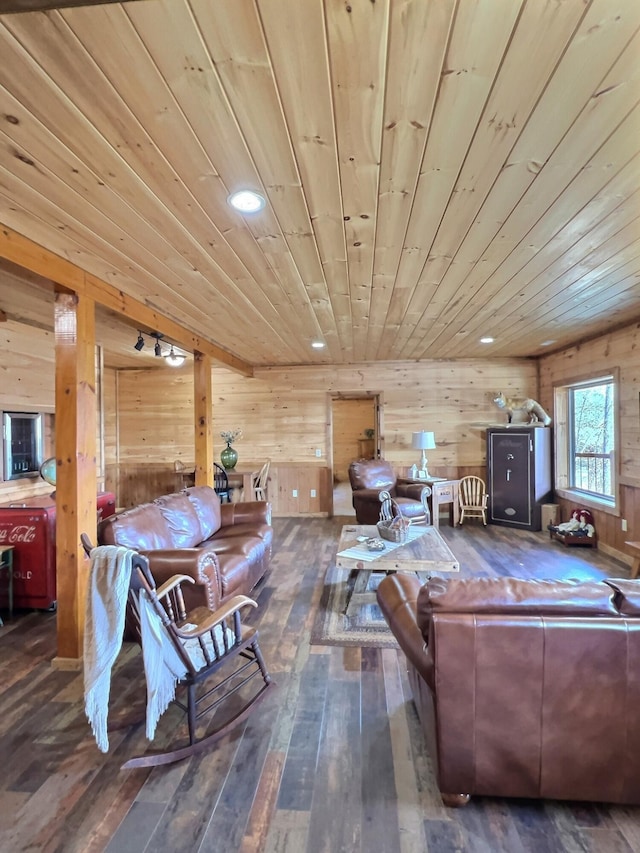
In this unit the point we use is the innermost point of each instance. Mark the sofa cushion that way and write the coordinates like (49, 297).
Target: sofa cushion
(513, 596)
(182, 520)
(142, 528)
(207, 506)
(235, 574)
(263, 531)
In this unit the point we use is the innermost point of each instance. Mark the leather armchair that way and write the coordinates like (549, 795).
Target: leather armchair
(368, 477)
(524, 688)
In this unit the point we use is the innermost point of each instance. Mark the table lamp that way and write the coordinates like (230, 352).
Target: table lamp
(423, 441)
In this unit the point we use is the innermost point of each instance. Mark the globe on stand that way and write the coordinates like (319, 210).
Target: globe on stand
(48, 471)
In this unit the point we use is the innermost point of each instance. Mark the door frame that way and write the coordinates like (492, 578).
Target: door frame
(378, 416)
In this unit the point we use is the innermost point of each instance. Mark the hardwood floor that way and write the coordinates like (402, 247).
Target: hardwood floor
(333, 760)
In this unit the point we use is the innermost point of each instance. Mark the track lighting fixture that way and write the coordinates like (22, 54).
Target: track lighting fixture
(173, 358)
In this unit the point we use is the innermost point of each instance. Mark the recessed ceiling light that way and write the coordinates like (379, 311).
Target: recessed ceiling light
(246, 201)
(317, 345)
(486, 340)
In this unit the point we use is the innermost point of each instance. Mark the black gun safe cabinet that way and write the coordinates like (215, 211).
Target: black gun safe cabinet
(518, 475)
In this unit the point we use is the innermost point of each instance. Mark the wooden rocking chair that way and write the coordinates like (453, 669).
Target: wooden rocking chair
(219, 638)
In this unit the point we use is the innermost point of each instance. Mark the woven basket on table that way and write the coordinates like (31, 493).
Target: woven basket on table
(393, 525)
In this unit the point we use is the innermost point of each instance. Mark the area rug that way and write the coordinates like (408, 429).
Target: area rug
(363, 624)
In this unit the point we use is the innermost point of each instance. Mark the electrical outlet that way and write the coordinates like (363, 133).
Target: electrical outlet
(294, 493)
(624, 525)
(318, 452)
(313, 493)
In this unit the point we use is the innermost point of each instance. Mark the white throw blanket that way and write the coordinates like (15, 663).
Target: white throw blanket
(104, 625)
(162, 665)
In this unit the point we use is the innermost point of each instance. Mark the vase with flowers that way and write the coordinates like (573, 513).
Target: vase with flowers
(229, 455)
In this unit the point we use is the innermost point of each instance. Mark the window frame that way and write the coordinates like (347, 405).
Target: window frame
(564, 437)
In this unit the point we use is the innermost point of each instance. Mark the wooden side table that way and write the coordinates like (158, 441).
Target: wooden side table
(6, 562)
(442, 492)
(634, 547)
(445, 492)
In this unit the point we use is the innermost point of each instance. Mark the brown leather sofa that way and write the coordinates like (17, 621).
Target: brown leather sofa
(368, 477)
(524, 688)
(225, 548)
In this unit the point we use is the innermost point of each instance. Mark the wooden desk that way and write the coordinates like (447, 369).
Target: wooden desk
(442, 492)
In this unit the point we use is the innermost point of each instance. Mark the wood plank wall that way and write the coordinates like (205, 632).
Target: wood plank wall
(595, 358)
(28, 377)
(285, 414)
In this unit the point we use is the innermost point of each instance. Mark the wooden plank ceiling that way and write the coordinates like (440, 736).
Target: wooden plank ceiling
(435, 170)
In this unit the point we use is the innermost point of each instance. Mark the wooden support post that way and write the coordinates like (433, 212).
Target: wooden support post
(76, 465)
(202, 395)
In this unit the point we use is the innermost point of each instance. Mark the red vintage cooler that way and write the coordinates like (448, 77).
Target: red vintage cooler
(30, 526)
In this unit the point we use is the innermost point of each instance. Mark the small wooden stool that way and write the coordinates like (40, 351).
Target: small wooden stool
(634, 547)
(6, 562)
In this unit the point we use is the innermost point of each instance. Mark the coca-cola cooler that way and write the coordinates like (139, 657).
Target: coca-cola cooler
(30, 526)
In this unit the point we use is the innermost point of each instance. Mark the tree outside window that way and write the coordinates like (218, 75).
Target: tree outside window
(592, 437)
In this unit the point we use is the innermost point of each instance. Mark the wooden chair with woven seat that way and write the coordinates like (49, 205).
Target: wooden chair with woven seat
(260, 481)
(204, 642)
(473, 499)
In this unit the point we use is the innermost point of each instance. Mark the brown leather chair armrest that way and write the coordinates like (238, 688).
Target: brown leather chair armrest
(367, 495)
(416, 491)
(197, 563)
(397, 595)
(249, 512)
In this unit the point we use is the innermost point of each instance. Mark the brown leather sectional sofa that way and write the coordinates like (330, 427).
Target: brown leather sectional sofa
(524, 688)
(225, 548)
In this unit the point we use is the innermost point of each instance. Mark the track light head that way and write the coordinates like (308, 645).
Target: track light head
(174, 359)
(157, 348)
(139, 344)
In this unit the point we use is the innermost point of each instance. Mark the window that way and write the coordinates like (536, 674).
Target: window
(592, 437)
(586, 439)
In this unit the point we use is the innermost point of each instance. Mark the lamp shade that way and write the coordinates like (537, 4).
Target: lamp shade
(423, 440)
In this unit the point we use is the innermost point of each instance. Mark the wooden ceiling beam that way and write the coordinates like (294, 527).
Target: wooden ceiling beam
(25, 253)
(11, 6)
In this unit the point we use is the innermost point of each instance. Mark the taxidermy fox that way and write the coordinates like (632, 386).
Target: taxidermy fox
(522, 411)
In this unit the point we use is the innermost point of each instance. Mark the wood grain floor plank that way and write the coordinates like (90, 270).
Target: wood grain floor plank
(380, 826)
(264, 804)
(336, 815)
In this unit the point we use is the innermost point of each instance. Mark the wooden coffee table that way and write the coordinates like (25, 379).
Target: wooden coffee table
(427, 553)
